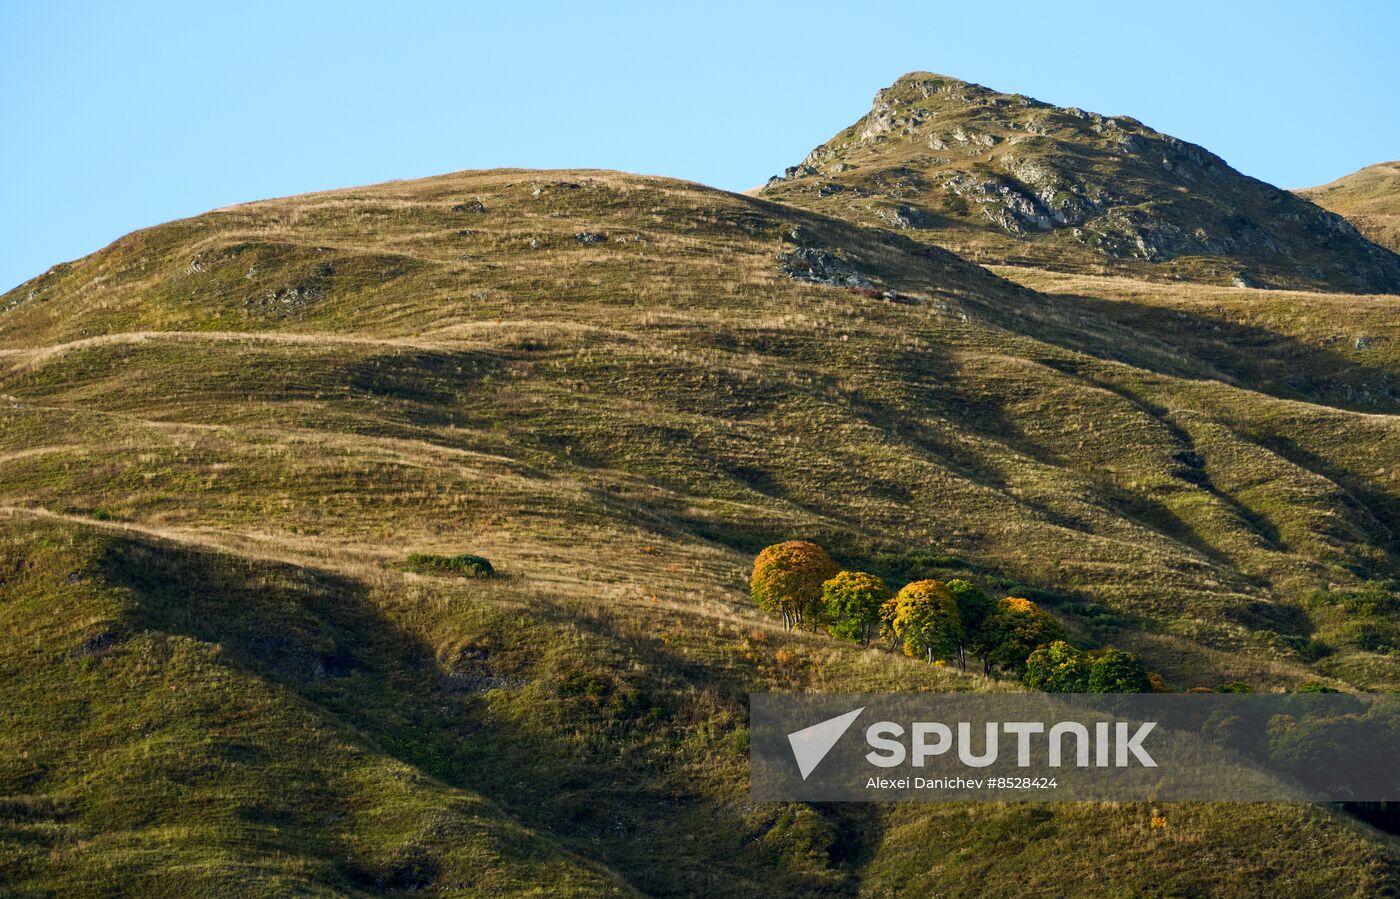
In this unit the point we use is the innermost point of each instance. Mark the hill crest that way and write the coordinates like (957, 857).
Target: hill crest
(1368, 198)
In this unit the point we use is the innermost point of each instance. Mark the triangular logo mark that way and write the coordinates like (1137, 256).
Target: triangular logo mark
(811, 744)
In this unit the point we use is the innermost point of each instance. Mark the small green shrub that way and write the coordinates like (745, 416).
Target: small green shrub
(1234, 686)
(1373, 598)
(1313, 686)
(462, 565)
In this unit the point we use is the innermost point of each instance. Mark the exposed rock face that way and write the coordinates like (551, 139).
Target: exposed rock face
(820, 266)
(1064, 188)
(905, 217)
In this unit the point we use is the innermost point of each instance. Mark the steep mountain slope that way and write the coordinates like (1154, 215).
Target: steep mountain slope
(1003, 178)
(1369, 199)
(222, 437)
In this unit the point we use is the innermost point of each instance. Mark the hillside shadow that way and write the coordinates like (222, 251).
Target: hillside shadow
(510, 734)
(425, 388)
(1359, 496)
(1256, 358)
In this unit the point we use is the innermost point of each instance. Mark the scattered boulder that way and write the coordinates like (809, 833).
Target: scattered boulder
(285, 300)
(588, 237)
(100, 642)
(475, 207)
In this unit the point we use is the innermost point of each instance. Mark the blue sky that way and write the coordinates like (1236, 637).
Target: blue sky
(121, 115)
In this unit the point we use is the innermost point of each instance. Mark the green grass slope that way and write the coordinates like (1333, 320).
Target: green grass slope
(1006, 179)
(223, 437)
(1369, 199)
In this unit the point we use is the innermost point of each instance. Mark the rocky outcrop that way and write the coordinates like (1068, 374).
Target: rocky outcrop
(820, 266)
(904, 217)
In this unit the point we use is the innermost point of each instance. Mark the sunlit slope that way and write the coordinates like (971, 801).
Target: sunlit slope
(1369, 199)
(221, 437)
(551, 356)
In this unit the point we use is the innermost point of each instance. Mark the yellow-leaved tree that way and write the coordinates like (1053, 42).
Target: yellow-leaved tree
(923, 617)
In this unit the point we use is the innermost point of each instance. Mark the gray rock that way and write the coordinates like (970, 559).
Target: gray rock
(588, 237)
(905, 217)
(820, 266)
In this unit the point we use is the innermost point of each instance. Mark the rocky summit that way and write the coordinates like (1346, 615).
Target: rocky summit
(1007, 179)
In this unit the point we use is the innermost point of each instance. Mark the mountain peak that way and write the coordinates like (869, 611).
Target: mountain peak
(1006, 178)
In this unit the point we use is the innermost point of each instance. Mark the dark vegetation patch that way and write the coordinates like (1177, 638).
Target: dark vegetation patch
(461, 564)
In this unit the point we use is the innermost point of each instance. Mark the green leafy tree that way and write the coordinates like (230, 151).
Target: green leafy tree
(787, 580)
(852, 601)
(926, 621)
(1015, 629)
(1057, 668)
(974, 608)
(1118, 671)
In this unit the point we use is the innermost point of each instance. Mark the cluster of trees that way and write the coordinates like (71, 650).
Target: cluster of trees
(935, 621)
(1062, 668)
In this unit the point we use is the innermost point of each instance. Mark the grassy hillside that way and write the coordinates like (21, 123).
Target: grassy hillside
(1369, 199)
(1003, 178)
(224, 437)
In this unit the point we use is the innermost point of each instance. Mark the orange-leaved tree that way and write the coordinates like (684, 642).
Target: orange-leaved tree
(1016, 628)
(788, 578)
